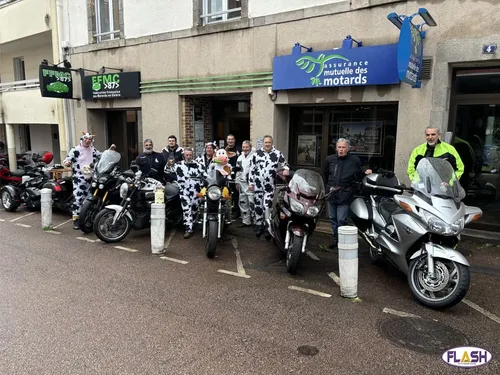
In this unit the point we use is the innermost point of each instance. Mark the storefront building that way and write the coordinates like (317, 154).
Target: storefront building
(205, 73)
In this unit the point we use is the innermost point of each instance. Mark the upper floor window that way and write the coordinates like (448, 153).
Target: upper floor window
(220, 10)
(107, 20)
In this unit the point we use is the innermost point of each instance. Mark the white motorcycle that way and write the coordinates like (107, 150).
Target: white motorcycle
(418, 232)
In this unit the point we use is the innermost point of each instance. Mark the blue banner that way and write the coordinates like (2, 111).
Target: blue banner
(360, 66)
(410, 52)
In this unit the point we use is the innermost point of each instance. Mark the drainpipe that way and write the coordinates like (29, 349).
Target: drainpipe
(57, 27)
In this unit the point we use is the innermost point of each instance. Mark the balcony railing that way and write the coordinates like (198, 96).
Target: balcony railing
(7, 2)
(19, 85)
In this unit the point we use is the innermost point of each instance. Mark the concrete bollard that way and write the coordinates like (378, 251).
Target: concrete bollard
(157, 228)
(46, 208)
(348, 261)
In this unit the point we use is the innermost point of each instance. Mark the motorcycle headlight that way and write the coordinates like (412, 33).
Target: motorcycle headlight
(312, 211)
(296, 206)
(437, 225)
(214, 193)
(94, 184)
(101, 186)
(124, 190)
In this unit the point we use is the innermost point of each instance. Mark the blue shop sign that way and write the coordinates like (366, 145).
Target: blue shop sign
(410, 52)
(360, 66)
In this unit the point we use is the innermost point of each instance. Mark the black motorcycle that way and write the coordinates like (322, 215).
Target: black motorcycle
(62, 190)
(105, 188)
(137, 192)
(28, 191)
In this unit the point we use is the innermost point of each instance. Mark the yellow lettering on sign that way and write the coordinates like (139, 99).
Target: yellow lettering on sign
(465, 357)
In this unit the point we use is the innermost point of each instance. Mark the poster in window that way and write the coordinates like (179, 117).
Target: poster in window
(306, 149)
(365, 136)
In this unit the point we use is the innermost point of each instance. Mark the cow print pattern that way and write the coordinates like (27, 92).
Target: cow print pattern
(189, 189)
(263, 176)
(81, 186)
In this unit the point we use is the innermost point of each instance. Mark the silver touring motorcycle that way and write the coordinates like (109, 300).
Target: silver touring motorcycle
(417, 232)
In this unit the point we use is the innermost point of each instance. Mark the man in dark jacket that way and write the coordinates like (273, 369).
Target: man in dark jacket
(340, 173)
(172, 151)
(151, 159)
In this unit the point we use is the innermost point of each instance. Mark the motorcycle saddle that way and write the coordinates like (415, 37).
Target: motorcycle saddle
(386, 209)
(18, 173)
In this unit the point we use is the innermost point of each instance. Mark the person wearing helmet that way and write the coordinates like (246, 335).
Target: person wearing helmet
(80, 158)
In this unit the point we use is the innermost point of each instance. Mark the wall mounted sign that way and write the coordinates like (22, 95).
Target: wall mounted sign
(410, 53)
(55, 82)
(112, 86)
(360, 66)
(489, 49)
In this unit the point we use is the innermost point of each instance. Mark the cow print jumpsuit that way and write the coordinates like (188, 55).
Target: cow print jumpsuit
(80, 156)
(189, 189)
(263, 176)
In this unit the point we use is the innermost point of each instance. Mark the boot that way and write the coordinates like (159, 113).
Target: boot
(76, 224)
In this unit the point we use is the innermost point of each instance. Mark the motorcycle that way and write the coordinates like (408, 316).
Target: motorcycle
(105, 189)
(62, 190)
(214, 209)
(417, 232)
(27, 192)
(294, 213)
(137, 193)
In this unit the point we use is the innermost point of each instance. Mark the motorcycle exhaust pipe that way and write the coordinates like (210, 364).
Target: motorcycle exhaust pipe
(368, 240)
(205, 214)
(220, 219)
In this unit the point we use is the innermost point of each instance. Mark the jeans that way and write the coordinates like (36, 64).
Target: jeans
(338, 216)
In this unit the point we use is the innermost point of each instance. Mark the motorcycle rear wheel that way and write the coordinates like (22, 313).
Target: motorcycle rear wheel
(87, 215)
(103, 227)
(8, 201)
(293, 254)
(212, 234)
(448, 288)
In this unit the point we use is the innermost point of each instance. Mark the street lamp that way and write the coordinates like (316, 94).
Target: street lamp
(395, 19)
(426, 16)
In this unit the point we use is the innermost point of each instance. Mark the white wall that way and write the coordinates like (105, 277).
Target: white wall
(41, 137)
(24, 18)
(149, 17)
(257, 8)
(75, 21)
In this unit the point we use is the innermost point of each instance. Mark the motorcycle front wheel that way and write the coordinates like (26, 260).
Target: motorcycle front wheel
(106, 231)
(212, 234)
(446, 289)
(87, 216)
(293, 254)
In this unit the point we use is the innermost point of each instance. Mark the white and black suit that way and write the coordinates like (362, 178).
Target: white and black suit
(263, 177)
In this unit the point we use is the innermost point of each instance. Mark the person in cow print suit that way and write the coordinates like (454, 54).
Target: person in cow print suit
(262, 179)
(80, 158)
(206, 158)
(186, 170)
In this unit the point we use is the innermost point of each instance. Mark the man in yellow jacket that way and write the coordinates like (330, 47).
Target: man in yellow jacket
(434, 147)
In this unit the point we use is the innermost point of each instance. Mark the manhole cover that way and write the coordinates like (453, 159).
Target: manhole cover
(308, 350)
(421, 335)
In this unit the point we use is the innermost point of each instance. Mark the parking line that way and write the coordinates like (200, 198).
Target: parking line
(312, 256)
(24, 225)
(174, 260)
(169, 239)
(239, 263)
(234, 274)
(482, 311)
(53, 231)
(66, 222)
(126, 249)
(2, 219)
(21, 217)
(399, 313)
(310, 291)
(334, 277)
(86, 239)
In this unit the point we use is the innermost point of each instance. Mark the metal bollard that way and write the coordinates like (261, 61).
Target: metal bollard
(348, 261)
(157, 228)
(46, 209)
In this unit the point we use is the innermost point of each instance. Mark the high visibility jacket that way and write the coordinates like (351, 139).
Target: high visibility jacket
(440, 150)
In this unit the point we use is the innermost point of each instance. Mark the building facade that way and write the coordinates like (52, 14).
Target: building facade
(201, 69)
(28, 35)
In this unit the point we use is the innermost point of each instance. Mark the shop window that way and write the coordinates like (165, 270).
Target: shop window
(214, 11)
(106, 19)
(19, 69)
(477, 81)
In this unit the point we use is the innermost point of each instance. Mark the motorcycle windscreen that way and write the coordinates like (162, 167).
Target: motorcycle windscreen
(108, 160)
(307, 183)
(436, 177)
(214, 177)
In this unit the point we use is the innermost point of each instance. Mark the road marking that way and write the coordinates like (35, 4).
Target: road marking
(169, 239)
(53, 231)
(126, 249)
(399, 313)
(334, 277)
(86, 239)
(24, 225)
(310, 291)
(2, 219)
(66, 222)
(174, 260)
(20, 217)
(482, 311)
(312, 256)
(239, 263)
(234, 274)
